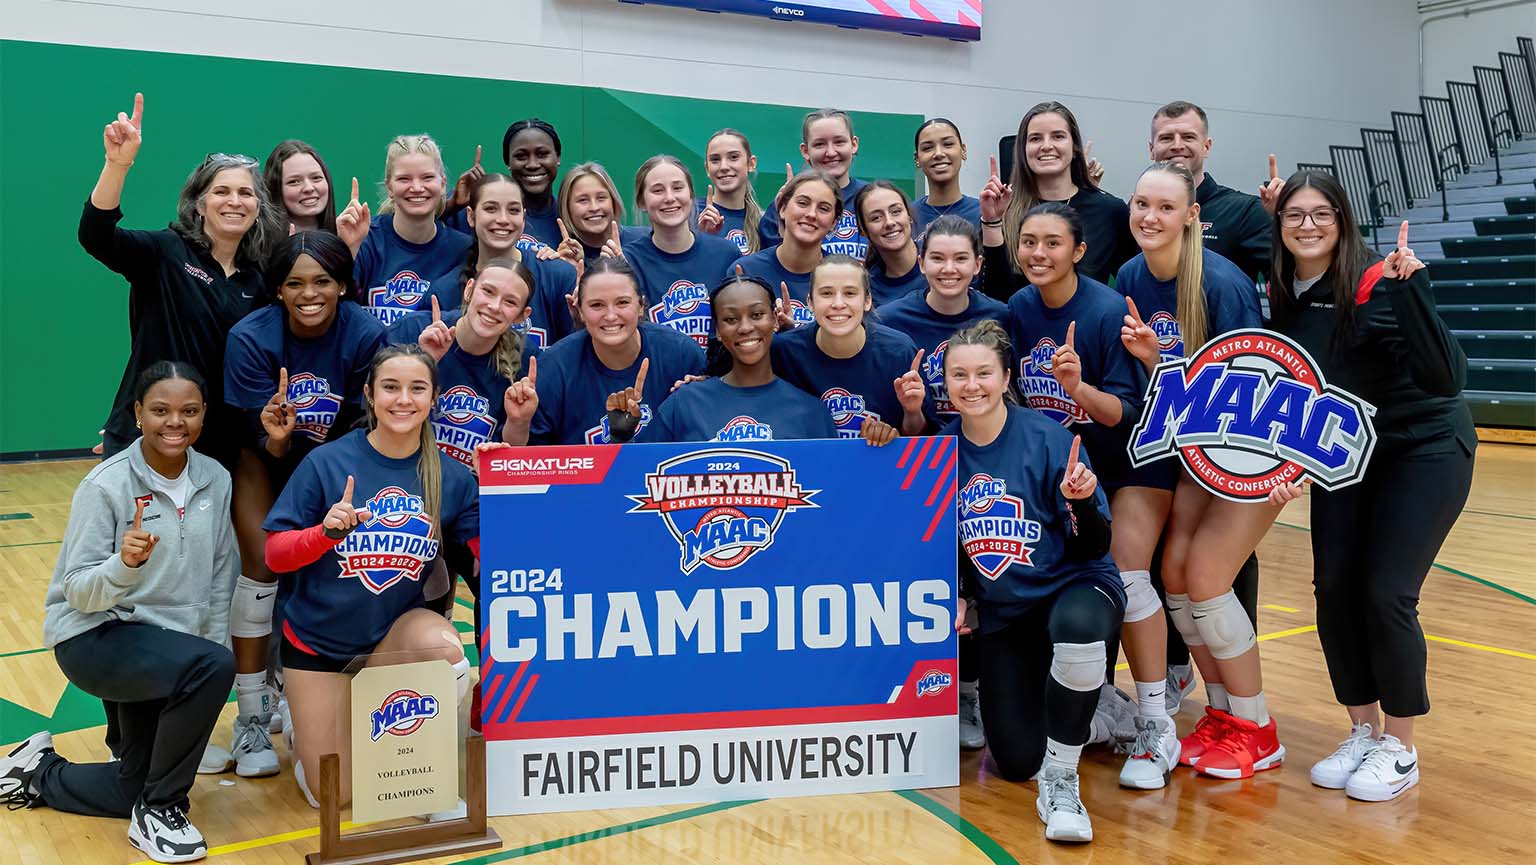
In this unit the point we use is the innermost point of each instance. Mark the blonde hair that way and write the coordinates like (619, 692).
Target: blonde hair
(824, 114)
(429, 466)
(651, 164)
(405, 145)
(1189, 294)
(753, 217)
(567, 183)
(507, 356)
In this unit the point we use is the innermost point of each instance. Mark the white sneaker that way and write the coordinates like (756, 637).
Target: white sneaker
(18, 766)
(1114, 719)
(1153, 755)
(972, 736)
(215, 760)
(1181, 683)
(1387, 770)
(165, 834)
(298, 776)
(1333, 771)
(279, 719)
(1060, 807)
(252, 747)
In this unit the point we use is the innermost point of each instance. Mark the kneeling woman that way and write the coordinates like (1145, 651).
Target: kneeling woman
(743, 400)
(332, 511)
(140, 627)
(1045, 612)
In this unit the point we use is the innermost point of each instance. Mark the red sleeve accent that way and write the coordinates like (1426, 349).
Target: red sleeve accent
(474, 546)
(1368, 282)
(291, 550)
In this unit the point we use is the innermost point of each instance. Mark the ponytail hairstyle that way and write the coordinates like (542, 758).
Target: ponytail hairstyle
(872, 255)
(754, 211)
(1190, 294)
(610, 264)
(824, 114)
(472, 257)
(567, 183)
(988, 334)
(1351, 257)
(272, 174)
(507, 356)
(166, 370)
(327, 250)
(429, 465)
(717, 359)
(405, 145)
(1026, 189)
(646, 168)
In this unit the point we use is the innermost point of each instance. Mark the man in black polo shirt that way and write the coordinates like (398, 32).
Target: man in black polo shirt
(1238, 229)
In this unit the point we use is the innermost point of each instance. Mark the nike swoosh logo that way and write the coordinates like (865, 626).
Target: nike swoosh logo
(1158, 694)
(261, 597)
(1196, 616)
(1264, 752)
(1403, 770)
(1049, 751)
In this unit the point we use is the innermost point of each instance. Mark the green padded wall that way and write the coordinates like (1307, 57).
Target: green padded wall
(63, 317)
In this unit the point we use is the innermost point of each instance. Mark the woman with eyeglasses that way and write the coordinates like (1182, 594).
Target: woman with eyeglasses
(1372, 327)
(187, 284)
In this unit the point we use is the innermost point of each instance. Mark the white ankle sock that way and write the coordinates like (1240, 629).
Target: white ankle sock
(1149, 699)
(1216, 696)
(1251, 708)
(1064, 756)
(251, 695)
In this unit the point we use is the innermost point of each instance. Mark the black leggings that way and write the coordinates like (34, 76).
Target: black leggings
(1024, 704)
(166, 690)
(1372, 546)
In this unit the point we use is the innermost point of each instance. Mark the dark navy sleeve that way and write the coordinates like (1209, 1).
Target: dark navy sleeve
(250, 377)
(768, 227)
(406, 329)
(664, 422)
(462, 523)
(1121, 375)
(1231, 297)
(368, 336)
(369, 258)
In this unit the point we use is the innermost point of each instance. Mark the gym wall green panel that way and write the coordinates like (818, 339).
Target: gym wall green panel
(63, 317)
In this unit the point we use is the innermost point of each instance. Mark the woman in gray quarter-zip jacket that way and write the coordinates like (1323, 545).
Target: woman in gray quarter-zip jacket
(138, 615)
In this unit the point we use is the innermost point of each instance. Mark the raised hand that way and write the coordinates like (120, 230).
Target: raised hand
(784, 310)
(629, 399)
(1401, 263)
(465, 187)
(1095, 168)
(910, 388)
(876, 432)
(1283, 494)
(570, 299)
(1139, 339)
(569, 249)
(612, 247)
(342, 518)
(437, 338)
(354, 221)
(278, 416)
(1078, 481)
(1269, 192)
(995, 195)
(121, 138)
(710, 219)
(522, 397)
(1066, 366)
(137, 544)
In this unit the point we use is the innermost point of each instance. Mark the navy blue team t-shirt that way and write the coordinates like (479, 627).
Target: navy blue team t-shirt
(676, 286)
(733, 224)
(764, 264)
(885, 288)
(574, 385)
(967, 208)
(1231, 301)
(844, 237)
(540, 227)
(1014, 521)
(1038, 330)
(931, 330)
(395, 276)
(344, 603)
(324, 373)
(550, 320)
(713, 411)
(853, 388)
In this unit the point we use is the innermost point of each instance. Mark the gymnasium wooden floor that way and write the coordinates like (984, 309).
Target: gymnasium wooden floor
(1476, 803)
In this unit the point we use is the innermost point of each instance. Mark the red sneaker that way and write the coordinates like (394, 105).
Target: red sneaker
(1211, 727)
(1246, 748)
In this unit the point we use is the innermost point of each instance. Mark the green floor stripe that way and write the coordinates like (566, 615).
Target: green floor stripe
(1448, 569)
(20, 515)
(606, 832)
(24, 652)
(1498, 514)
(990, 848)
(29, 544)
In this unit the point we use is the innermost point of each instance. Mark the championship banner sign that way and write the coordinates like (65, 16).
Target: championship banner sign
(1250, 411)
(668, 624)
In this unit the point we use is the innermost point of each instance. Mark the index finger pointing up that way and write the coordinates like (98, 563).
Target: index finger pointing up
(533, 370)
(346, 493)
(138, 111)
(917, 361)
(282, 383)
(478, 150)
(138, 515)
(437, 311)
(1071, 333)
(1274, 168)
(645, 366)
(564, 235)
(1134, 314)
(1402, 235)
(1077, 442)
(709, 197)
(992, 160)
(354, 189)
(784, 290)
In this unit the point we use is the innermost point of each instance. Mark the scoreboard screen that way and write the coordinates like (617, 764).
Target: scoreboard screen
(952, 19)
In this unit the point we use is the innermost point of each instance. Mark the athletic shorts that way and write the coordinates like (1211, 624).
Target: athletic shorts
(297, 656)
(1160, 475)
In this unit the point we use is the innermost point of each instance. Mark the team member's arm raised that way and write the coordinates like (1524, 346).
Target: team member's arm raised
(1139, 339)
(1067, 368)
(353, 222)
(278, 418)
(910, 392)
(520, 402)
(624, 406)
(121, 139)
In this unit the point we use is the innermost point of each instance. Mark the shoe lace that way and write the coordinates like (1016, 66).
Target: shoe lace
(1356, 747)
(1061, 793)
(1209, 730)
(22, 798)
(970, 711)
(1379, 758)
(1149, 736)
(252, 737)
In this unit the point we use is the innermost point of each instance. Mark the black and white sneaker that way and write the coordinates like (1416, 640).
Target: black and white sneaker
(165, 834)
(17, 767)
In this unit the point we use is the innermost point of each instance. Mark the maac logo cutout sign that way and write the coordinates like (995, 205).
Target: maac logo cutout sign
(1249, 412)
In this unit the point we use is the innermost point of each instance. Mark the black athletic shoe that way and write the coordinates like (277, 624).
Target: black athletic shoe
(17, 767)
(165, 834)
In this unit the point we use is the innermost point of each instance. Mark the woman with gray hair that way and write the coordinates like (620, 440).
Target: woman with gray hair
(187, 284)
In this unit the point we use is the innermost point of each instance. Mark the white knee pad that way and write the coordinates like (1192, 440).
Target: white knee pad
(1078, 666)
(1184, 619)
(1224, 626)
(1141, 599)
(250, 611)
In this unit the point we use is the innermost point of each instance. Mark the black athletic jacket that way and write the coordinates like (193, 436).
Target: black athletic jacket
(1236, 226)
(1403, 359)
(180, 307)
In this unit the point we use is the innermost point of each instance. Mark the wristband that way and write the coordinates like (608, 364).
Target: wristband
(992, 223)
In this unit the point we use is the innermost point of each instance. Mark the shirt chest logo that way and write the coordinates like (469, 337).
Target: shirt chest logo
(994, 531)
(395, 544)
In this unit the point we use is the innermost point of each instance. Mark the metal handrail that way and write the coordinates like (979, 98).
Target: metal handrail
(1522, 91)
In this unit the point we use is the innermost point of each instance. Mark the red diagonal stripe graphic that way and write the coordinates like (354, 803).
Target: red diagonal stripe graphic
(532, 680)
(923, 13)
(906, 454)
(949, 469)
(939, 454)
(511, 688)
(921, 455)
(949, 498)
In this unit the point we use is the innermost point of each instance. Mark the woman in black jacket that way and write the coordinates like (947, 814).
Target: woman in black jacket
(1372, 327)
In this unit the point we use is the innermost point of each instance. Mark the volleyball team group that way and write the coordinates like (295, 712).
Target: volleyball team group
(288, 486)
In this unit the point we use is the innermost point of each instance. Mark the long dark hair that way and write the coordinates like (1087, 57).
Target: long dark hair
(717, 359)
(1350, 258)
(873, 255)
(328, 251)
(472, 257)
(257, 240)
(272, 175)
(1026, 189)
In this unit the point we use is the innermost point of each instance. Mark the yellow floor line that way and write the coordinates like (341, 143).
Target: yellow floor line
(1481, 648)
(264, 841)
(1281, 609)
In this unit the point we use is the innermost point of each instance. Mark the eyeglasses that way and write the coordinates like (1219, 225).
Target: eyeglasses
(230, 158)
(1321, 217)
